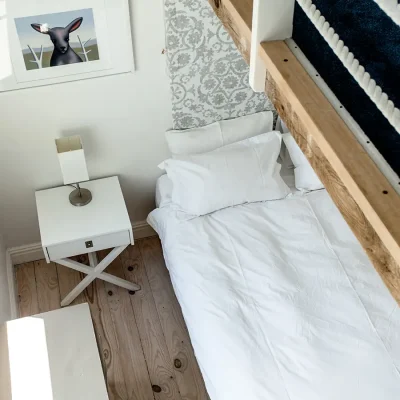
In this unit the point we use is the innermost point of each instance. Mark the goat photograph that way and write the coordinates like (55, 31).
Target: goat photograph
(52, 40)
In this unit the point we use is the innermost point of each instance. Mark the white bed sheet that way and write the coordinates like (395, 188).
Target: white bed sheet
(281, 302)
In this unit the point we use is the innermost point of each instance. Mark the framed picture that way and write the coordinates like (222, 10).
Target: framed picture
(50, 43)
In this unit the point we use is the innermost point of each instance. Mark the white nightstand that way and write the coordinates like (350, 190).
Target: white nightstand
(67, 231)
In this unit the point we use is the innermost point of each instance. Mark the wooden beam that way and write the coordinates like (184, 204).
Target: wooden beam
(362, 193)
(236, 15)
(348, 173)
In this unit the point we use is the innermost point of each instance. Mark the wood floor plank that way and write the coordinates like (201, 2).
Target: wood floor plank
(27, 290)
(107, 341)
(137, 340)
(47, 286)
(128, 344)
(95, 296)
(159, 362)
(67, 279)
(187, 371)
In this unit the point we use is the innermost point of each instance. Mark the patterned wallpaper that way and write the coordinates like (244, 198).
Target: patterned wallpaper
(209, 78)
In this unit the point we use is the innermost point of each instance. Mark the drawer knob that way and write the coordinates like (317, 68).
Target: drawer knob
(89, 244)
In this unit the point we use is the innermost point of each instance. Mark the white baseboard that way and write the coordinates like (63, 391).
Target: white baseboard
(27, 253)
(34, 251)
(142, 230)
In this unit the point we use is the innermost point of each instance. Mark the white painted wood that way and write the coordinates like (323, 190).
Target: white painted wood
(61, 222)
(27, 253)
(66, 262)
(96, 273)
(272, 20)
(29, 366)
(34, 251)
(346, 116)
(103, 276)
(77, 247)
(5, 288)
(119, 282)
(65, 230)
(5, 379)
(73, 355)
(12, 286)
(93, 260)
(51, 360)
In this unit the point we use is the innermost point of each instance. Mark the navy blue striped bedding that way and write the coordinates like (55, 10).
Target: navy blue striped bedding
(375, 40)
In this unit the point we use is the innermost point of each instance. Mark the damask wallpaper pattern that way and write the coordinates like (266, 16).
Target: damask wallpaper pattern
(209, 78)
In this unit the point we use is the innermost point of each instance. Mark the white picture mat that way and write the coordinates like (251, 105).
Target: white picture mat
(20, 71)
(112, 26)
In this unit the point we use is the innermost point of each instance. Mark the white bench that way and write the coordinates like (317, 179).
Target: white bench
(51, 356)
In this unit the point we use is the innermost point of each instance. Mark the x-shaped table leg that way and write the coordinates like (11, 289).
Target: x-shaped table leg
(93, 272)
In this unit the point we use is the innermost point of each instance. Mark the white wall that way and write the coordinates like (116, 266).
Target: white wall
(5, 310)
(122, 120)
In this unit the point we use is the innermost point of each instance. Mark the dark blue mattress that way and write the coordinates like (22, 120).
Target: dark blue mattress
(375, 40)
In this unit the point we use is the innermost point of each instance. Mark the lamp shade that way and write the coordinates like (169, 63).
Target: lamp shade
(72, 159)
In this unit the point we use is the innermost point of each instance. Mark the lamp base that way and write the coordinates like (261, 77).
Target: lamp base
(80, 197)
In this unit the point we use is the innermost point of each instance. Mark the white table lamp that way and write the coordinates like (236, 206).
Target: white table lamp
(74, 169)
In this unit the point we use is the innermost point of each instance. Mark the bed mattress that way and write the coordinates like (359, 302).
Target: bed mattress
(281, 302)
(374, 38)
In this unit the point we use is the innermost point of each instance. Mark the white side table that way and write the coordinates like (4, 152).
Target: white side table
(67, 231)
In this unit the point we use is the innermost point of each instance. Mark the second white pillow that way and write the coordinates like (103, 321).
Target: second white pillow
(305, 177)
(239, 173)
(218, 134)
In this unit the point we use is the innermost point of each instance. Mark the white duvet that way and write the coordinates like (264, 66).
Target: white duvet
(282, 303)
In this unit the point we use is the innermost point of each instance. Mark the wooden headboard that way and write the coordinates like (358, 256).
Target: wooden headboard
(362, 193)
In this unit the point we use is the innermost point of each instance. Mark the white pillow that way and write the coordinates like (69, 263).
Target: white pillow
(239, 173)
(218, 134)
(305, 177)
(281, 126)
(284, 154)
(164, 185)
(163, 191)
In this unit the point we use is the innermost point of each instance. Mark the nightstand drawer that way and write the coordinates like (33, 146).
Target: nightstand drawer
(88, 245)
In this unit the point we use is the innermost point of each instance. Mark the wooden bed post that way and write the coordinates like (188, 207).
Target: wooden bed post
(362, 193)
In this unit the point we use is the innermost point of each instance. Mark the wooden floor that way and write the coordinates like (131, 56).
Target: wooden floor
(142, 338)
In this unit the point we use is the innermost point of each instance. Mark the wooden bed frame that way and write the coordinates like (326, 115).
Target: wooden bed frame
(366, 199)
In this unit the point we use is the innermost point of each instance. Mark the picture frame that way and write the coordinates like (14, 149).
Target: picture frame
(48, 42)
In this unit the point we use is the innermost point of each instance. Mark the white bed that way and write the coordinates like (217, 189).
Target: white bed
(281, 302)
